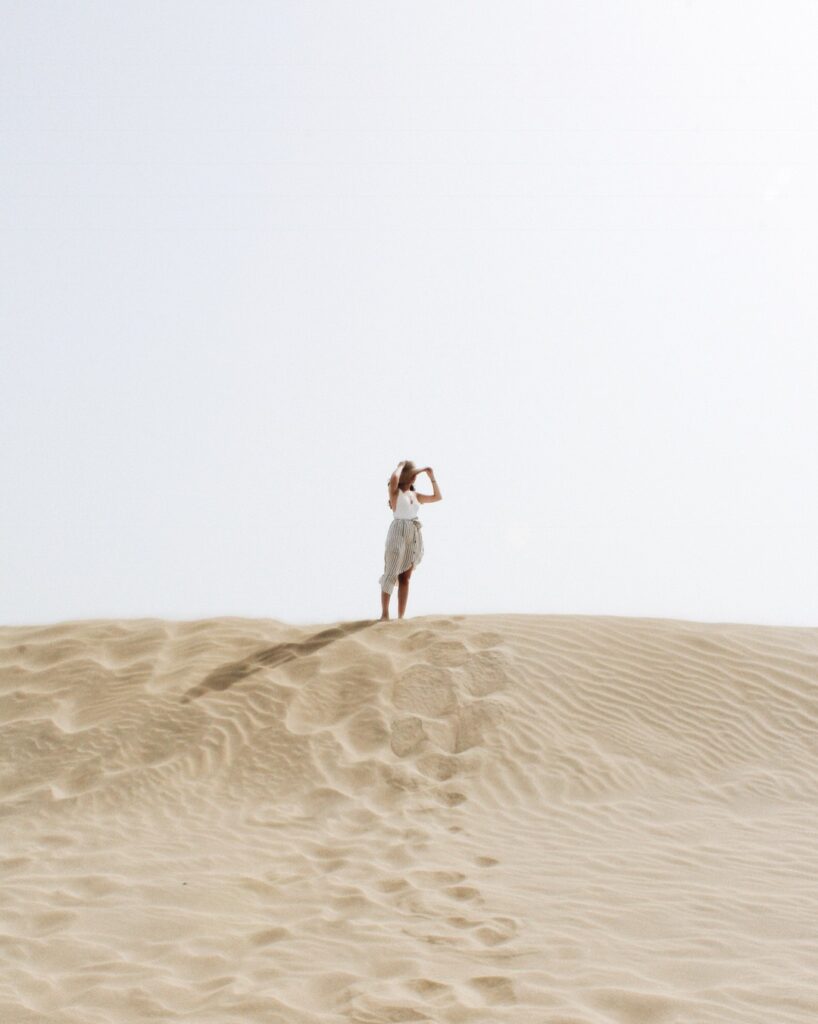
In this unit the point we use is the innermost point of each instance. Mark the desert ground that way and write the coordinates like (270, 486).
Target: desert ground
(532, 819)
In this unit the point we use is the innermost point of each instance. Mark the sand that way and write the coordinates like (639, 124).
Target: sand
(482, 818)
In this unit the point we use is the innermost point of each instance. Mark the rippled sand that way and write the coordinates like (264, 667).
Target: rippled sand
(481, 818)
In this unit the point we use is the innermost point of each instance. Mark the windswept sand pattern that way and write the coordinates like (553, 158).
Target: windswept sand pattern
(485, 818)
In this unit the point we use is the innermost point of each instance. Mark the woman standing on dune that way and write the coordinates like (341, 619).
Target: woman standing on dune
(404, 541)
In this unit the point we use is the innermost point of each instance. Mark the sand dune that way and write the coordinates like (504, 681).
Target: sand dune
(483, 818)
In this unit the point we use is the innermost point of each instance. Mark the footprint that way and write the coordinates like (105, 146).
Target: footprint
(497, 930)
(366, 731)
(425, 987)
(630, 1005)
(463, 892)
(407, 735)
(495, 988)
(268, 935)
(450, 653)
(426, 690)
(419, 640)
(438, 766)
(472, 721)
(451, 799)
(486, 673)
(461, 922)
(486, 862)
(393, 884)
(437, 940)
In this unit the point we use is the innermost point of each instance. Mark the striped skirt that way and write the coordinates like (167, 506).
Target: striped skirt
(404, 548)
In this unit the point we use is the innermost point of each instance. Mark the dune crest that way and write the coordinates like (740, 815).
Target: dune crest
(487, 818)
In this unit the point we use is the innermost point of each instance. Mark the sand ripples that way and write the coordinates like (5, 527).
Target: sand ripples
(554, 819)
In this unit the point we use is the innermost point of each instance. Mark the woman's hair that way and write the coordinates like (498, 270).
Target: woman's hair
(406, 475)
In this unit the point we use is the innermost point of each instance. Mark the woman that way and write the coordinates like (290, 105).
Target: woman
(404, 542)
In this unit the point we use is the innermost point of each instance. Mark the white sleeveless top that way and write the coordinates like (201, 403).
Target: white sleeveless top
(407, 505)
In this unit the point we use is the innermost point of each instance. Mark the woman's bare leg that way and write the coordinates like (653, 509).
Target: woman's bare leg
(403, 590)
(385, 604)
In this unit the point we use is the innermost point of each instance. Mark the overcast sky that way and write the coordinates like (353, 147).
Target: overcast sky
(254, 254)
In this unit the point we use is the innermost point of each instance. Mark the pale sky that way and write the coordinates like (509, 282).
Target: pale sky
(254, 254)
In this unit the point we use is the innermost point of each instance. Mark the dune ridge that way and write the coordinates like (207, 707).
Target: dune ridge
(467, 818)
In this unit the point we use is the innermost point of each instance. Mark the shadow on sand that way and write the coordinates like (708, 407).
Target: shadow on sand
(225, 676)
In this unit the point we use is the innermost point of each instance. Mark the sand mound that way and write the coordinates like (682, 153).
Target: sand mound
(483, 818)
